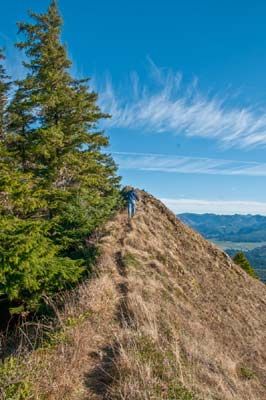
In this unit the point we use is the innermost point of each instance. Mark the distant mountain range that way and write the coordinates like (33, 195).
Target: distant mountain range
(233, 228)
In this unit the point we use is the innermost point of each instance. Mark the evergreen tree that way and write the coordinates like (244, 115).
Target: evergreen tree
(241, 260)
(4, 88)
(61, 145)
(62, 185)
(4, 165)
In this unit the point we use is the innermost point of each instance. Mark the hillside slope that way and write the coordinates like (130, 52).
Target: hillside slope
(168, 316)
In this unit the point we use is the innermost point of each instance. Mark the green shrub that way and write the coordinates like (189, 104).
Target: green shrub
(14, 383)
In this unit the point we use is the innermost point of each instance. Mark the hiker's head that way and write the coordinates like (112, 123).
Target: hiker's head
(128, 189)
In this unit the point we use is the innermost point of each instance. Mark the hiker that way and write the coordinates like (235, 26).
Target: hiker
(132, 197)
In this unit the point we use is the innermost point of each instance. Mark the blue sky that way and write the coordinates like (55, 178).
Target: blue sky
(185, 82)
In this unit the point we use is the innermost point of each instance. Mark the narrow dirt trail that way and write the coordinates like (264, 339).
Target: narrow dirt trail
(101, 369)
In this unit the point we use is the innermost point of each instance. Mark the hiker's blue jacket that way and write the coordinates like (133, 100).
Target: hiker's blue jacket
(132, 196)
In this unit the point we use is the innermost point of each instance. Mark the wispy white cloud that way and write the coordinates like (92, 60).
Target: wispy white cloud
(187, 165)
(167, 104)
(198, 206)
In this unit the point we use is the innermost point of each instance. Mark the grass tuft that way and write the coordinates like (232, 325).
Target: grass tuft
(130, 260)
(247, 373)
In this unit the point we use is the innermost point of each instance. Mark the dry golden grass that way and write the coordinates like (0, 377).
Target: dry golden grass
(169, 316)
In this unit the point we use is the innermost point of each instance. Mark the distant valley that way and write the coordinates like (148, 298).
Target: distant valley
(234, 233)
